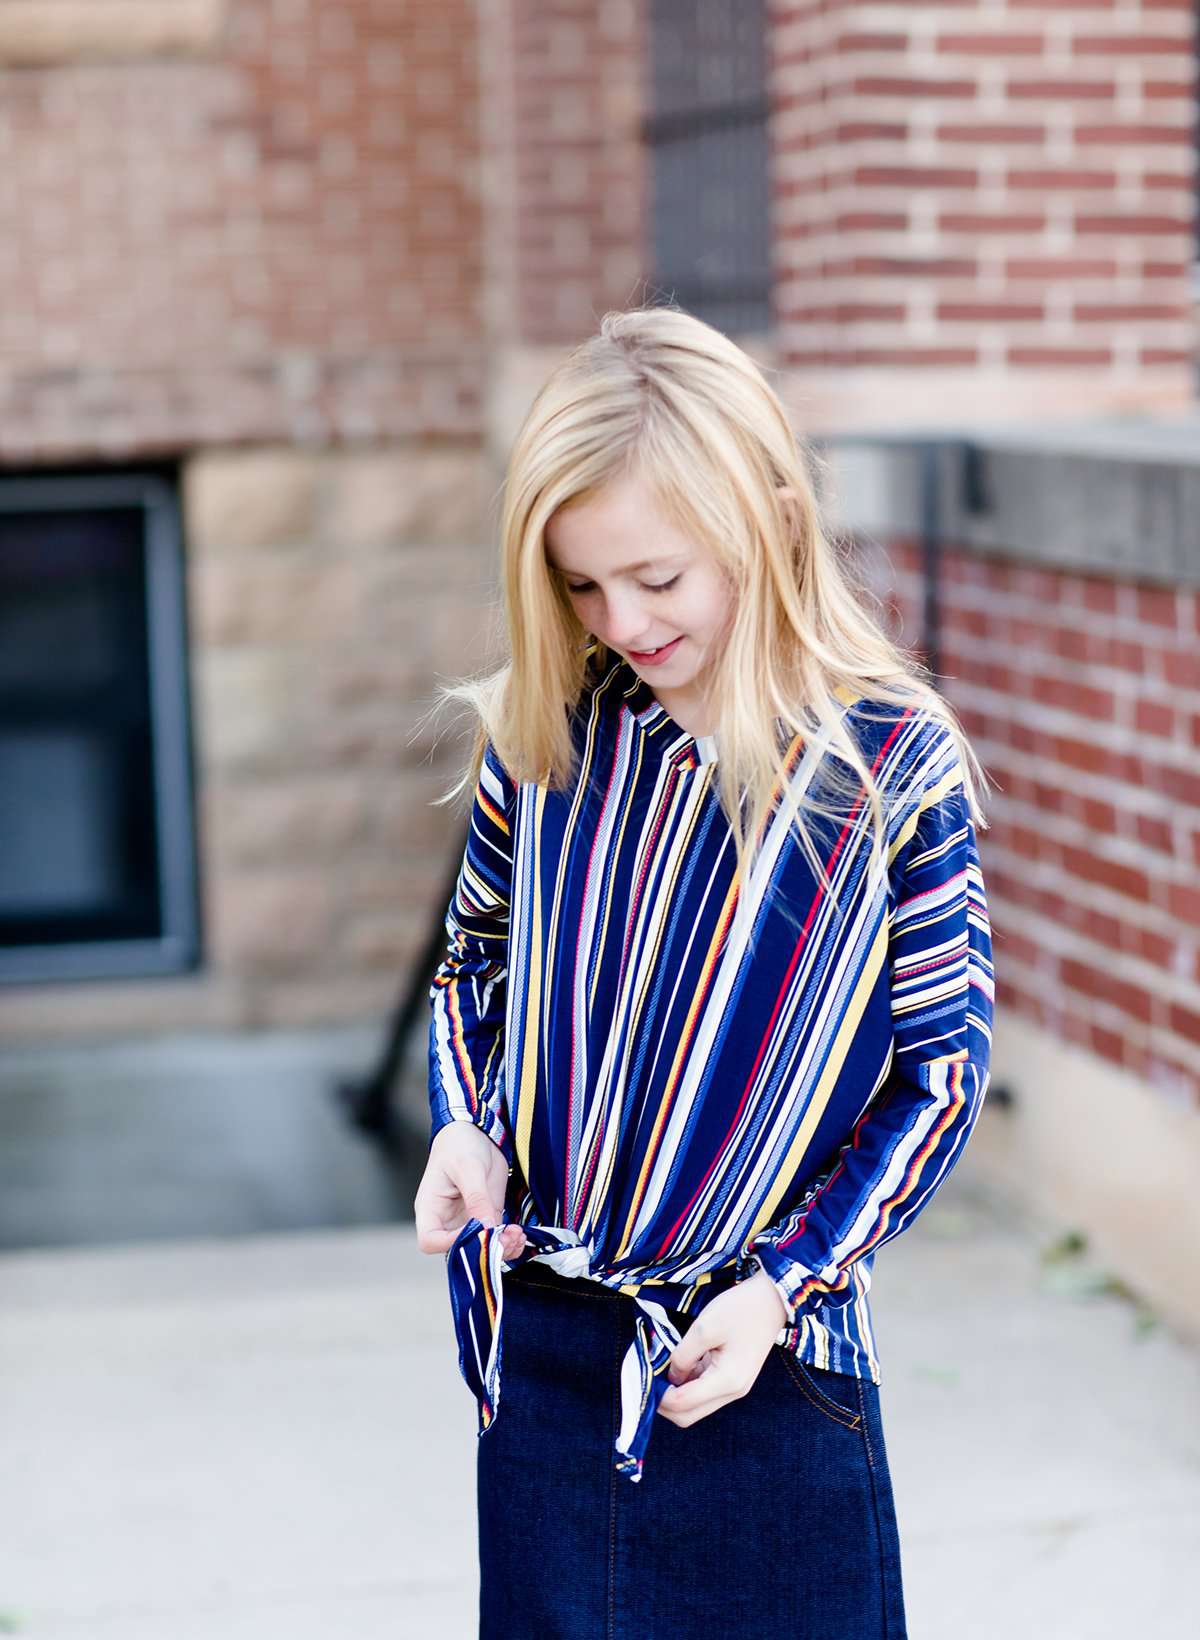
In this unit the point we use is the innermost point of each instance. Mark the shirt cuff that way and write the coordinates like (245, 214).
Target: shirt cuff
(485, 1120)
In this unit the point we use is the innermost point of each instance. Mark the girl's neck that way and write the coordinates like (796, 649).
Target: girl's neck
(690, 712)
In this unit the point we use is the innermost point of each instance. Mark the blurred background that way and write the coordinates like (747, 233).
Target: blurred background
(278, 280)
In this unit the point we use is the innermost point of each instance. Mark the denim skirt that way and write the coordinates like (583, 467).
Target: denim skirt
(773, 1516)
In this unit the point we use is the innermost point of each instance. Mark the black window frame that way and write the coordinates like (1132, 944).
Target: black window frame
(177, 948)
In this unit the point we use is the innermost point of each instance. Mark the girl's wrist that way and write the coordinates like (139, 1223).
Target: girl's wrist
(783, 1313)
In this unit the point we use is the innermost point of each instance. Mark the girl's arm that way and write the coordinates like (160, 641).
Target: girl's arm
(912, 1133)
(468, 993)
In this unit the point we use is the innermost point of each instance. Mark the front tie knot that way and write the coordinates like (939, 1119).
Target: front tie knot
(475, 1265)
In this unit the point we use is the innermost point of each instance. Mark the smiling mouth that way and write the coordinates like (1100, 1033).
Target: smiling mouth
(655, 654)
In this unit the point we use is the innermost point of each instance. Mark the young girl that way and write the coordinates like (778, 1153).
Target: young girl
(712, 1026)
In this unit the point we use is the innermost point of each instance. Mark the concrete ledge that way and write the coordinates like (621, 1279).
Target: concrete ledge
(40, 33)
(1116, 498)
(1103, 1152)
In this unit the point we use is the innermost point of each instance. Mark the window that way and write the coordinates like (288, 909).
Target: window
(707, 140)
(97, 872)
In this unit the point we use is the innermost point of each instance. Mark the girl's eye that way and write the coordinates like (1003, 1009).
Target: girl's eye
(649, 586)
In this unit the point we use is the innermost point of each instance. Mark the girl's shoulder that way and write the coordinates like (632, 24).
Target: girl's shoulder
(906, 744)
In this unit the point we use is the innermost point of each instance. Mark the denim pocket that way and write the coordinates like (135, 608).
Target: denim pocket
(836, 1394)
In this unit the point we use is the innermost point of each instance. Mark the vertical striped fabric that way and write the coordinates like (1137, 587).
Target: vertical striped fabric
(691, 1077)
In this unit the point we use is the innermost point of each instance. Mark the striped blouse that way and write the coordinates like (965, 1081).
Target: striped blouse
(690, 1078)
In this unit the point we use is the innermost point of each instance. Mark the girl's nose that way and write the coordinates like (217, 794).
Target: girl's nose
(625, 621)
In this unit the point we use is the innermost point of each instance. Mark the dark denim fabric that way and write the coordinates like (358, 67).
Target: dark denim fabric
(773, 1516)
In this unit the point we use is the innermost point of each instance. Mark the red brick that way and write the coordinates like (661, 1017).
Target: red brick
(1155, 833)
(1185, 1022)
(1181, 784)
(1026, 354)
(1053, 799)
(1105, 986)
(915, 176)
(1141, 44)
(1166, 355)
(1102, 928)
(991, 45)
(1159, 606)
(1109, 1045)
(1151, 717)
(1121, 312)
(992, 132)
(1124, 133)
(1052, 88)
(1169, 90)
(1151, 947)
(1130, 222)
(991, 221)
(1181, 667)
(1181, 901)
(1112, 874)
(865, 40)
(1175, 267)
(1096, 814)
(1069, 696)
(1099, 596)
(1044, 268)
(870, 130)
(911, 87)
(857, 221)
(914, 355)
(1072, 178)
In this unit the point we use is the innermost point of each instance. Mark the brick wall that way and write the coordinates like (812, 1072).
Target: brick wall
(323, 251)
(1082, 696)
(578, 87)
(984, 209)
(266, 232)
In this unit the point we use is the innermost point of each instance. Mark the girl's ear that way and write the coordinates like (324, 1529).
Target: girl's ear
(786, 493)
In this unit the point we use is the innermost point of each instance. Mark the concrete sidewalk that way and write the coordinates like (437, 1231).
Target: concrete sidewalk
(267, 1439)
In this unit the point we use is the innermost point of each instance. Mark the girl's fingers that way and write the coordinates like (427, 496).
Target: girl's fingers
(695, 1393)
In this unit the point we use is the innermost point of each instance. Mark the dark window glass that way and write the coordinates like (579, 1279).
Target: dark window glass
(707, 135)
(96, 865)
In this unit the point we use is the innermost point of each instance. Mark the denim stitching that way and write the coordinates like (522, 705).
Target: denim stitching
(887, 1571)
(612, 1476)
(836, 1414)
(587, 1289)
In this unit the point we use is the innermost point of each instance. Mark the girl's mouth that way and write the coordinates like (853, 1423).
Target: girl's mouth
(655, 657)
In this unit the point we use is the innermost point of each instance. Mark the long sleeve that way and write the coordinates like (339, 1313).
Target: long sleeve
(469, 993)
(941, 997)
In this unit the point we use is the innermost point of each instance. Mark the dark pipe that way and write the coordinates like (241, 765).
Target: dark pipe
(369, 1100)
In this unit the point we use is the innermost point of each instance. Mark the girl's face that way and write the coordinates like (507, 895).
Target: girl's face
(639, 585)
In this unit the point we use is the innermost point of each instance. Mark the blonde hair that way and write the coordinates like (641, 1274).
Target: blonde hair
(657, 393)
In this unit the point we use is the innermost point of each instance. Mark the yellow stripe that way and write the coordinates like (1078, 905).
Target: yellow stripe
(493, 813)
(932, 796)
(531, 1035)
(458, 1040)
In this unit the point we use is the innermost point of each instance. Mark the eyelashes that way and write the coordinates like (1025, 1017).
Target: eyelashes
(661, 586)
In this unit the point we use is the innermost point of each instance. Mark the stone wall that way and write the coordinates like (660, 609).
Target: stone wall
(328, 594)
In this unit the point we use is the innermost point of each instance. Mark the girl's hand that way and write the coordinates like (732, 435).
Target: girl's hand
(465, 1178)
(722, 1352)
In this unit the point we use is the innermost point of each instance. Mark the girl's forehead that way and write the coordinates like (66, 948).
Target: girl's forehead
(622, 526)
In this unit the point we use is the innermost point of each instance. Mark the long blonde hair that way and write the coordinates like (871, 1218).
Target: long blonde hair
(658, 393)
